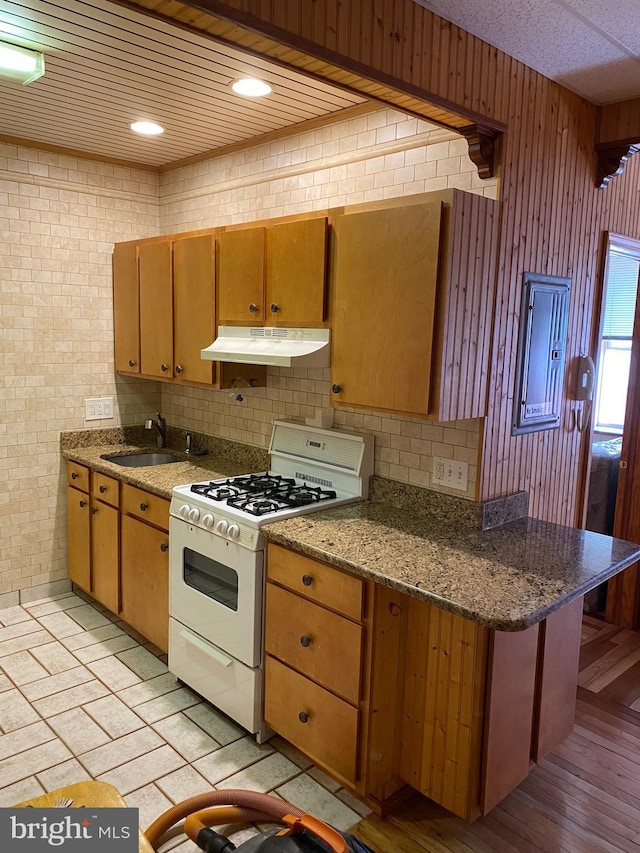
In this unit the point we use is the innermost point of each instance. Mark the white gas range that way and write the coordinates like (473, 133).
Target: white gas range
(216, 558)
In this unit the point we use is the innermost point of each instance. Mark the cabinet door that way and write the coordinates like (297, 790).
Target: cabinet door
(144, 580)
(105, 552)
(383, 308)
(156, 309)
(240, 284)
(296, 273)
(78, 538)
(126, 311)
(194, 324)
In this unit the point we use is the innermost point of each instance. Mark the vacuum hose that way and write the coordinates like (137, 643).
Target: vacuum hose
(232, 806)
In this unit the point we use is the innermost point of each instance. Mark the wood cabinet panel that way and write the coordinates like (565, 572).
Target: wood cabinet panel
(144, 505)
(77, 476)
(241, 276)
(296, 273)
(314, 641)
(126, 308)
(317, 581)
(194, 321)
(105, 554)
(144, 580)
(78, 538)
(327, 731)
(383, 307)
(156, 309)
(104, 488)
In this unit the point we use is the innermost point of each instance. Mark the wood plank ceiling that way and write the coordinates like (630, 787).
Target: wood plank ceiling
(107, 66)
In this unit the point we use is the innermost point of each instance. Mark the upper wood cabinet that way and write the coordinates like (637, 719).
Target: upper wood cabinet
(412, 292)
(126, 310)
(273, 275)
(164, 312)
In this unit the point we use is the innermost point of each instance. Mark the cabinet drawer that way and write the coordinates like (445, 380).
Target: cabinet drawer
(78, 476)
(321, 583)
(146, 506)
(318, 643)
(105, 488)
(329, 733)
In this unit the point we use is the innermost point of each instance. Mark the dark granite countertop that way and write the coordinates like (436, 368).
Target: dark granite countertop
(429, 546)
(507, 578)
(223, 458)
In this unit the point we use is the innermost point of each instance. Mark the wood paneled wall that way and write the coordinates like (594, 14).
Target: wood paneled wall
(552, 214)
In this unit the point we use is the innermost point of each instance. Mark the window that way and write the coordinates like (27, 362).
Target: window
(614, 357)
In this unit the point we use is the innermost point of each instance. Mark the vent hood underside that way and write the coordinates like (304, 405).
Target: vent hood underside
(269, 346)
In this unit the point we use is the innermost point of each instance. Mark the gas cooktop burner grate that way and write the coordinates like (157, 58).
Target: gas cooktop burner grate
(260, 494)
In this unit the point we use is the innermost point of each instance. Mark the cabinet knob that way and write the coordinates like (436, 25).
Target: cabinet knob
(253, 308)
(303, 717)
(143, 506)
(103, 489)
(132, 362)
(179, 368)
(83, 503)
(94, 510)
(74, 475)
(164, 367)
(307, 580)
(336, 389)
(164, 547)
(275, 307)
(305, 641)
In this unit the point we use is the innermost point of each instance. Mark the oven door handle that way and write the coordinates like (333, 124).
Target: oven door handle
(208, 649)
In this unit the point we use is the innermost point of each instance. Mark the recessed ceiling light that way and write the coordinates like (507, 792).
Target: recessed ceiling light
(147, 128)
(250, 87)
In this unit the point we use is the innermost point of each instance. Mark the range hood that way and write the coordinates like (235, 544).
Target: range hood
(270, 346)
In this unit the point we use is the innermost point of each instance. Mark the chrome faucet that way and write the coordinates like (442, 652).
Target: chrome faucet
(160, 427)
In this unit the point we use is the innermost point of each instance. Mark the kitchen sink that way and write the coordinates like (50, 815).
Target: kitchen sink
(142, 460)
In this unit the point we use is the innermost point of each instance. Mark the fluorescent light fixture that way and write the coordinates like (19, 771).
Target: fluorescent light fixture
(147, 128)
(20, 63)
(250, 87)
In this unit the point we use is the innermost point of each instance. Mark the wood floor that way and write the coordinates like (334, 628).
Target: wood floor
(584, 798)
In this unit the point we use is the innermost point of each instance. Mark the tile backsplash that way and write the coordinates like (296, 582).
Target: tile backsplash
(59, 218)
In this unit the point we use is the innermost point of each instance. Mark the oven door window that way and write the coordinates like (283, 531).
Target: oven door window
(211, 578)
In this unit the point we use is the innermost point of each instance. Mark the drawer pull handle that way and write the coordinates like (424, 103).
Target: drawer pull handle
(164, 547)
(74, 475)
(305, 641)
(307, 580)
(83, 503)
(207, 648)
(103, 489)
(144, 506)
(303, 717)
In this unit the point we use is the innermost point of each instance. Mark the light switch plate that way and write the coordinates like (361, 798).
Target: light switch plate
(450, 473)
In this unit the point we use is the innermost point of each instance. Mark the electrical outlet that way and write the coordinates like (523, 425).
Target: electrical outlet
(98, 408)
(450, 473)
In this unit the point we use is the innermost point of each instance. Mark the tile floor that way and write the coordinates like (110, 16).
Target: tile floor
(83, 696)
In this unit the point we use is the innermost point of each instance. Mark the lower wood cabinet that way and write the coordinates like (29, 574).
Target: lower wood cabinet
(118, 549)
(385, 691)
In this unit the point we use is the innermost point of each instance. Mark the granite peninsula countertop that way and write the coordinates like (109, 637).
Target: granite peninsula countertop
(427, 545)
(507, 578)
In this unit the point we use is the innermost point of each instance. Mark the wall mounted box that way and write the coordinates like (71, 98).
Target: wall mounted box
(541, 353)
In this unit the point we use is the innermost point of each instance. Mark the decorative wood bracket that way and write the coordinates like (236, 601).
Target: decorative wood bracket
(611, 160)
(483, 148)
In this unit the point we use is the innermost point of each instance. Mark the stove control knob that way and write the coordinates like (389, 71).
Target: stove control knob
(233, 531)
(194, 514)
(207, 520)
(184, 510)
(222, 526)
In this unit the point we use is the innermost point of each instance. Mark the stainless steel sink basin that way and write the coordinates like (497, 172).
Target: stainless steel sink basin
(142, 460)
